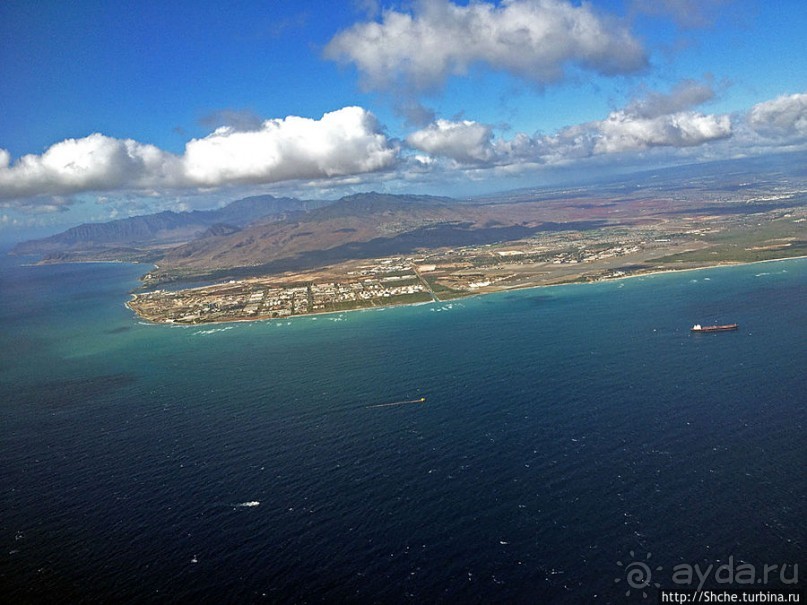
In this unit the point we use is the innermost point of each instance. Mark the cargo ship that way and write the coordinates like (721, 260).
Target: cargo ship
(725, 328)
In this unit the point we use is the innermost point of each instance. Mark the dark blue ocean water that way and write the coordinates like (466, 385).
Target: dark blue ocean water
(564, 428)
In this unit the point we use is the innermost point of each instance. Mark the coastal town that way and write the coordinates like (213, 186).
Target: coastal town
(549, 258)
(389, 282)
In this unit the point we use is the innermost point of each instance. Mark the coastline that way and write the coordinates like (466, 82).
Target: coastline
(569, 282)
(288, 318)
(716, 266)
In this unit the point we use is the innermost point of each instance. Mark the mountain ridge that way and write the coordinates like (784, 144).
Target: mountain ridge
(162, 228)
(263, 234)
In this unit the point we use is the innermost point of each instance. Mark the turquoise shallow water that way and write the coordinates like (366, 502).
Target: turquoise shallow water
(564, 428)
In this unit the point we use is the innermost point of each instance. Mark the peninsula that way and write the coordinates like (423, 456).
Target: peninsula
(278, 258)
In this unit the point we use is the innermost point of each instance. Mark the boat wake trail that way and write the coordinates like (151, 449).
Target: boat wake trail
(394, 403)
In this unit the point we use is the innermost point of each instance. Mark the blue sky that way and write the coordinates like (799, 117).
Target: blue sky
(118, 108)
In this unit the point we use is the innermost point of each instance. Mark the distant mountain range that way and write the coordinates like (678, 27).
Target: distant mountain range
(265, 234)
(163, 229)
(351, 220)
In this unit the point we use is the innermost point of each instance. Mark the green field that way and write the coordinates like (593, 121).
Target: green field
(781, 238)
(352, 305)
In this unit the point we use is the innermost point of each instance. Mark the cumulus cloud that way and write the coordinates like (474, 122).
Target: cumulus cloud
(684, 95)
(93, 162)
(467, 142)
(622, 131)
(657, 120)
(784, 117)
(343, 142)
(653, 120)
(532, 39)
(348, 148)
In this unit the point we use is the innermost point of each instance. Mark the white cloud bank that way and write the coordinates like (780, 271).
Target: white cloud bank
(96, 162)
(466, 142)
(657, 120)
(683, 96)
(532, 39)
(622, 131)
(344, 142)
(348, 146)
(784, 117)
